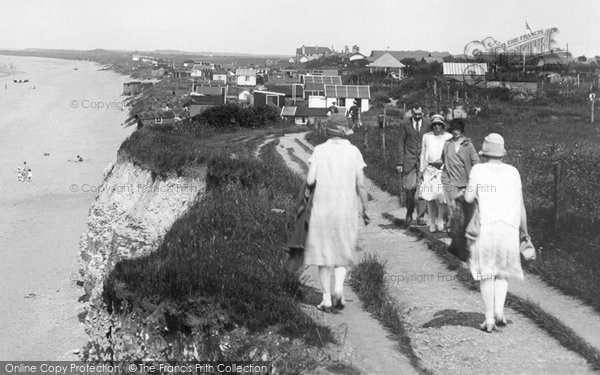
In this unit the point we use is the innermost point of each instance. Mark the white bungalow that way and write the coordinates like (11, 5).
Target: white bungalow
(246, 77)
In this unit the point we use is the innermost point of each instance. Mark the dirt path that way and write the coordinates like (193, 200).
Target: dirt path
(364, 341)
(441, 315)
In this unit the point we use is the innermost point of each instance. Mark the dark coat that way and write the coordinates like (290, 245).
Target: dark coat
(297, 237)
(410, 143)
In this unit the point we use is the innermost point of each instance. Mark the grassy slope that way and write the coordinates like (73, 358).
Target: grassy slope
(218, 276)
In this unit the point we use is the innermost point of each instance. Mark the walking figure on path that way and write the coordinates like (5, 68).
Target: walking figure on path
(431, 165)
(495, 241)
(409, 152)
(336, 171)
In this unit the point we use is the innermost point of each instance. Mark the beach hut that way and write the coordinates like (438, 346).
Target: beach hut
(264, 97)
(344, 95)
(155, 118)
(304, 115)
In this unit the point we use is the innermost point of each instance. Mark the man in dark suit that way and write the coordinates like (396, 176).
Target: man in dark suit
(409, 152)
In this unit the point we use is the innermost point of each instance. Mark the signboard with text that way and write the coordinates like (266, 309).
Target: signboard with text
(540, 41)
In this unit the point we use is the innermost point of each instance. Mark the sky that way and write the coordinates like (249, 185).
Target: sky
(280, 26)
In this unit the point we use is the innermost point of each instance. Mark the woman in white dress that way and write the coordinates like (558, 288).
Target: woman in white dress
(495, 254)
(336, 167)
(431, 188)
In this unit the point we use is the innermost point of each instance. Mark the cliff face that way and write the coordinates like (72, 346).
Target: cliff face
(129, 218)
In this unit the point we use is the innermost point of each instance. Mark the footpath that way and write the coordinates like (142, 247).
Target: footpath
(440, 314)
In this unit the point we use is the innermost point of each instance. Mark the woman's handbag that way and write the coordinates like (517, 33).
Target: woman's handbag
(527, 249)
(297, 237)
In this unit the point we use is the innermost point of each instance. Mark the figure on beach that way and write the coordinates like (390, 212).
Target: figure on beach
(409, 152)
(502, 226)
(336, 172)
(22, 172)
(29, 176)
(431, 165)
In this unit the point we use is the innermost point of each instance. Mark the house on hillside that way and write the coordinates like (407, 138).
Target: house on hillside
(304, 115)
(305, 53)
(284, 77)
(196, 71)
(155, 118)
(188, 63)
(356, 56)
(472, 73)
(293, 92)
(209, 89)
(245, 98)
(314, 86)
(264, 97)
(220, 75)
(388, 64)
(343, 95)
(180, 73)
(246, 77)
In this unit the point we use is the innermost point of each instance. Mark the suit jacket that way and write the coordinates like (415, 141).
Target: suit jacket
(409, 144)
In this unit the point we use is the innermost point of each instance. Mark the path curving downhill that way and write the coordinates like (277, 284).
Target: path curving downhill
(441, 315)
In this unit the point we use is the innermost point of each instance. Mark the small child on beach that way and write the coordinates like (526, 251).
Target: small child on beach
(29, 175)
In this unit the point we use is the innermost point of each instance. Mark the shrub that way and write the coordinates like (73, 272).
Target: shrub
(232, 115)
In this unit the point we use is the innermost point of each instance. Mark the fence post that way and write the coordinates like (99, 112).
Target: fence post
(383, 133)
(557, 188)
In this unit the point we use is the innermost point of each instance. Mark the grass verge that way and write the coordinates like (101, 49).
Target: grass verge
(548, 322)
(368, 281)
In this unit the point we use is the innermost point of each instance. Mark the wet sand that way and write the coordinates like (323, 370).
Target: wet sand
(41, 222)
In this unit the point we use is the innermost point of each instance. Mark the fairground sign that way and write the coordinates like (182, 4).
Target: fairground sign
(540, 41)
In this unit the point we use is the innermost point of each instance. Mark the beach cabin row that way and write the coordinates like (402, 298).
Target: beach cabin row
(136, 87)
(342, 96)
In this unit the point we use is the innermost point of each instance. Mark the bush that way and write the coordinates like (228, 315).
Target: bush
(232, 115)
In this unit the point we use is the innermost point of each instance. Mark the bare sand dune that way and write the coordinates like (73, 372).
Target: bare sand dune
(41, 222)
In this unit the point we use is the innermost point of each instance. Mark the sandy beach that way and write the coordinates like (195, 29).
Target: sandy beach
(57, 113)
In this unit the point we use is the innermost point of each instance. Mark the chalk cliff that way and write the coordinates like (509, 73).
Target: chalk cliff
(130, 216)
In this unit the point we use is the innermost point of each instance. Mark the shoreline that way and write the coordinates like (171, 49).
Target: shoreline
(43, 220)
